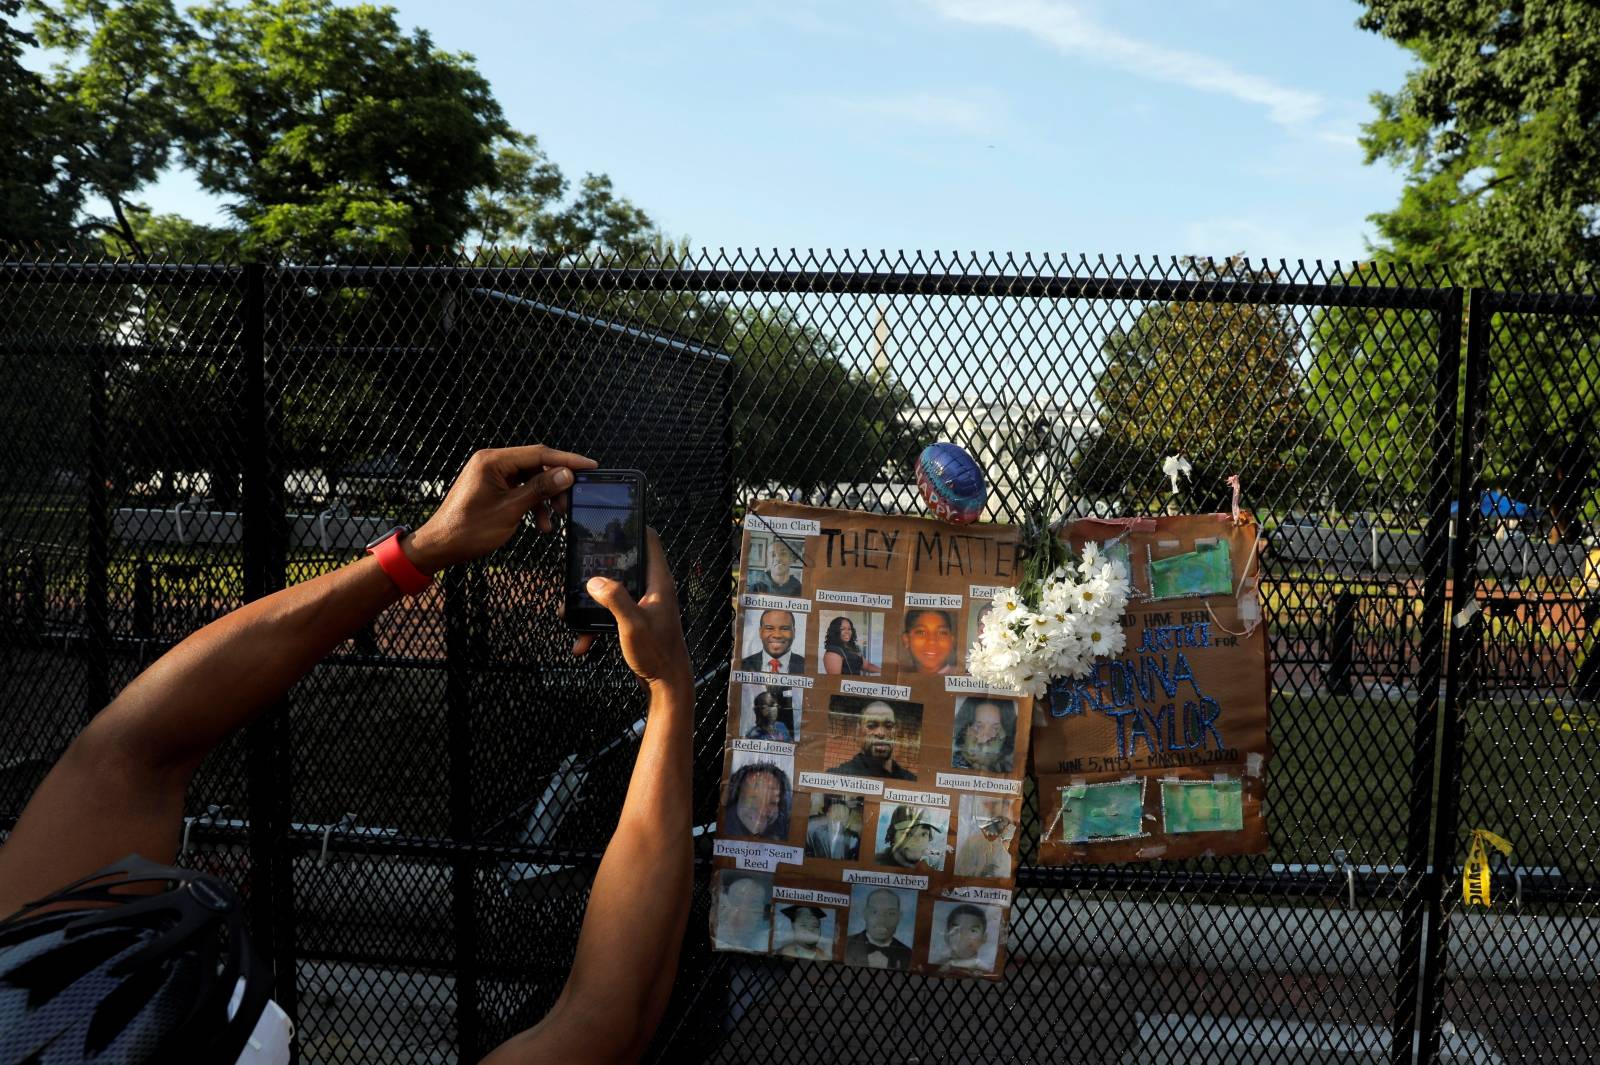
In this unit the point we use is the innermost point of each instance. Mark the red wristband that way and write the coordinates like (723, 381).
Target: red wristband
(407, 577)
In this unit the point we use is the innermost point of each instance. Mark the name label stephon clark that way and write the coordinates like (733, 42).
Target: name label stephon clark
(786, 526)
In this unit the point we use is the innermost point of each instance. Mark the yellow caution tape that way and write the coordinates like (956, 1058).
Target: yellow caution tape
(1475, 876)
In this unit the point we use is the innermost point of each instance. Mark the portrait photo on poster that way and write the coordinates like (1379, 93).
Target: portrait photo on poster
(770, 713)
(805, 932)
(929, 641)
(978, 611)
(985, 828)
(833, 829)
(869, 737)
(965, 937)
(773, 641)
(882, 927)
(911, 837)
(984, 734)
(742, 917)
(759, 794)
(850, 642)
(776, 564)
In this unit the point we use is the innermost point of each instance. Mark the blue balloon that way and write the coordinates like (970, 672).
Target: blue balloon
(951, 482)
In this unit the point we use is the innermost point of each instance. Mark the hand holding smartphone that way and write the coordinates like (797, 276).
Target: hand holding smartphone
(605, 538)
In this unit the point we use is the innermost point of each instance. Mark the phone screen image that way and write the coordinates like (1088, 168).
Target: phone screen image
(604, 523)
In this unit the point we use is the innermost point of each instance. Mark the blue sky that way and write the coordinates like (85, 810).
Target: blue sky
(1135, 127)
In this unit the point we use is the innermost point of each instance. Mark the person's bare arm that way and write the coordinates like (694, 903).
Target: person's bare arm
(119, 787)
(638, 907)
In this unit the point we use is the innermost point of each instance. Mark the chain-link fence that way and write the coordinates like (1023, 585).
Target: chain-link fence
(416, 827)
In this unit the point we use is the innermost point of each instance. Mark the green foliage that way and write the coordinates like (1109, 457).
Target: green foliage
(802, 418)
(334, 130)
(1498, 130)
(114, 88)
(38, 196)
(1218, 384)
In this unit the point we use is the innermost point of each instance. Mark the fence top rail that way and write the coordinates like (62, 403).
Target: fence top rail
(66, 271)
(1579, 304)
(1048, 286)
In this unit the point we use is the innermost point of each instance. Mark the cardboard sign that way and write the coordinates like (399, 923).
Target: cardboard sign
(1161, 751)
(872, 790)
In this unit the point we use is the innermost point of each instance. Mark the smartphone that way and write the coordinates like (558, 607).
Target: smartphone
(605, 538)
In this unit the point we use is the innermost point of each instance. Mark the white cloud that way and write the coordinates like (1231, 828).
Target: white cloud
(977, 114)
(1064, 26)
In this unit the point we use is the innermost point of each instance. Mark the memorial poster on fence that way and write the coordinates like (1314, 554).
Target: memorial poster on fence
(1161, 751)
(871, 789)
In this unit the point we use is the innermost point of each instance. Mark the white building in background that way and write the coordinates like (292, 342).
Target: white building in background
(1024, 444)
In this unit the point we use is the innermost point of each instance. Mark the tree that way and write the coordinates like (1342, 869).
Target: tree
(801, 417)
(333, 130)
(1217, 383)
(1498, 130)
(116, 94)
(38, 197)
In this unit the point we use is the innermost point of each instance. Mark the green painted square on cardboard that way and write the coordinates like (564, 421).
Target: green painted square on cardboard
(1092, 812)
(1201, 806)
(1207, 570)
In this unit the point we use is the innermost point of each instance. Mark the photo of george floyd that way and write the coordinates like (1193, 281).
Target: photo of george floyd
(758, 796)
(775, 565)
(871, 737)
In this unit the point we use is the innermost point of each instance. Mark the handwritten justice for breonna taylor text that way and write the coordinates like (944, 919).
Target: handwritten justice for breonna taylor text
(1152, 694)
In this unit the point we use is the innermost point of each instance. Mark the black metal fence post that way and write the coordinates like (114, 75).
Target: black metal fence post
(271, 877)
(1341, 644)
(458, 708)
(1420, 906)
(1464, 568)
(460, 603)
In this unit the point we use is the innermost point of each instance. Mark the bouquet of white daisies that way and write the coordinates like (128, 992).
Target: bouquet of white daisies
(1064, 614)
